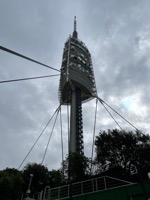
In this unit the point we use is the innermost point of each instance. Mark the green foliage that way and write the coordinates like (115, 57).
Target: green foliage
(122, 149)
(11, 182)
(55, 178)
(40, 176)
(117, 152)
(76, 166)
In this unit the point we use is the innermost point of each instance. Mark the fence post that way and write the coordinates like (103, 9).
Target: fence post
(59, 193)
(92, 185)
(96, 185)
(82, 188)
(41, 195)
(105, 183)
(49, 194)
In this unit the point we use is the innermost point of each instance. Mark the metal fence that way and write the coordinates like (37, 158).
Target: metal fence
(80, 188)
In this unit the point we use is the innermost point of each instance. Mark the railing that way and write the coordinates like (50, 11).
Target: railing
(81, 188)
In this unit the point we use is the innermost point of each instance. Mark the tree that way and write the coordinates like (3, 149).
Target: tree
(40, 177)
(55, 178)
(76, 167)
(11, 183)
(126, 150)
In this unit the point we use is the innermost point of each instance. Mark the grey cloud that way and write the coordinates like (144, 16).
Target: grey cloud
(117, 35)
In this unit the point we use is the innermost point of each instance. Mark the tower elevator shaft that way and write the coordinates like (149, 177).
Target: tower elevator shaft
(76, 124)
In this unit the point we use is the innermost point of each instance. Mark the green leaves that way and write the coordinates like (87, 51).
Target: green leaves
(11, 182)
(40, 176)
(76, 167)
(117, 148)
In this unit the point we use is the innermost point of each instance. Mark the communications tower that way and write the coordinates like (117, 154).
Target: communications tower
(77, 85)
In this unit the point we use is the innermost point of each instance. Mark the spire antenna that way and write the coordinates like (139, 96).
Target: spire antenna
(75, 34)
(75, 24)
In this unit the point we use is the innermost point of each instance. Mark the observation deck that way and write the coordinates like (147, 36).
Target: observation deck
(76, 71)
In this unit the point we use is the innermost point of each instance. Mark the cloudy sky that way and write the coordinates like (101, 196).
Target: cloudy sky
(117, 33)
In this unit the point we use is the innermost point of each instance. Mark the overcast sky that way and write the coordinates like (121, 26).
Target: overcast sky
(116, 32)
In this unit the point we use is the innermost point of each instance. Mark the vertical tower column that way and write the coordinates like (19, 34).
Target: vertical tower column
(72, 144)
(76, 125)
(79, 123)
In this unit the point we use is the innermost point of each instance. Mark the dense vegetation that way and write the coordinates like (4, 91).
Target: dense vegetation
(122, 154)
